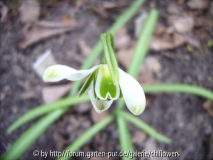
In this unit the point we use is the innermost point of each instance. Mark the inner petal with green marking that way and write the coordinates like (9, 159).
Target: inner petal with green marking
(105, 87)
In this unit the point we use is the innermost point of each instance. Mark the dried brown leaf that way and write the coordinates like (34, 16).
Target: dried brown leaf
(3, 12)
(183, 24)
(53, 93)
(208, 106)
(97, 117)
(198, 4)
(122, 39)
(85, 49)
(38, 34)
(29, 11)
(124, 56)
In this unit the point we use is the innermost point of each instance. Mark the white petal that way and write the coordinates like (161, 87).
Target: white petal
(105, 87)
(59, 72)
(99, 105)
(132, 93)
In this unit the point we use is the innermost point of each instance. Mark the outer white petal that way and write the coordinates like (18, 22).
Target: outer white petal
(99, 105)
(59, 72)
(132, 93)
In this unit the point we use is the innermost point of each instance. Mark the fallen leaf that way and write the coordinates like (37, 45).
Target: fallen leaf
(151, 145)
(75, 57)
(198, 4)
(158, 44)
(191, 40)
(160, 29)
(122, 39)
(97, 117)
(83, 107)
(208, 106)
(112, 5)
(178, 40)
(53, 93)
(139, 137)
(149, 68)
(173, 9)
(79, 3)
(125, 56)
(43, 61)
(3, 12)
(60, 141)
(37, 34)
(139, 22)
(68, 20)
(85, 49)
(167, 42)
(176, 56)
(101, 11)
(29, 11)
(184, 24)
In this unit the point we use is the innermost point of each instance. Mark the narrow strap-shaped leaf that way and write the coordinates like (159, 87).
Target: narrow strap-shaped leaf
(37, 111)
(157, 88)
(30, 136)
(144, 126)
(181, 88)
(141, 47)
(124, 137)
(121, 20)
(86, 136)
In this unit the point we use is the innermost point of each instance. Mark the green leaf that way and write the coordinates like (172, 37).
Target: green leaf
(144, 126)
(121, 20)
(86, 136)
(181, 88)
(124, 137)
(37, 111)
(141, 47)
(30, 136)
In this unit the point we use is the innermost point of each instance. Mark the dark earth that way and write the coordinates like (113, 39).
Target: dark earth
(178, 116)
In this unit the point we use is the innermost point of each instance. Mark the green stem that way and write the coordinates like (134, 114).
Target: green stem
(86, 136)
(181, 88)
(143, 126)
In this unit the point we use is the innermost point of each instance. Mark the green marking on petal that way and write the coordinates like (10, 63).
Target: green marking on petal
(107, 87)
(133, 108)
(51, 72)
(86, 84)
(140, 110)
(121, 94)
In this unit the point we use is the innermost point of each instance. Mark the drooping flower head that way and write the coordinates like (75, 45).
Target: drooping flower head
(106, 82)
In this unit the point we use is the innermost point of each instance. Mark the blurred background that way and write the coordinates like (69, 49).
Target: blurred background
(36, 33)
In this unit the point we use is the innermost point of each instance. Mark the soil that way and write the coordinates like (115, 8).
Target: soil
(178, 116)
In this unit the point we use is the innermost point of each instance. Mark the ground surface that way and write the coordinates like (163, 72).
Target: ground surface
(178, 116)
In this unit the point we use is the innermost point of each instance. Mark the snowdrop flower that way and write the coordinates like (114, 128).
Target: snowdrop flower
(101, 87)
(106, 82)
